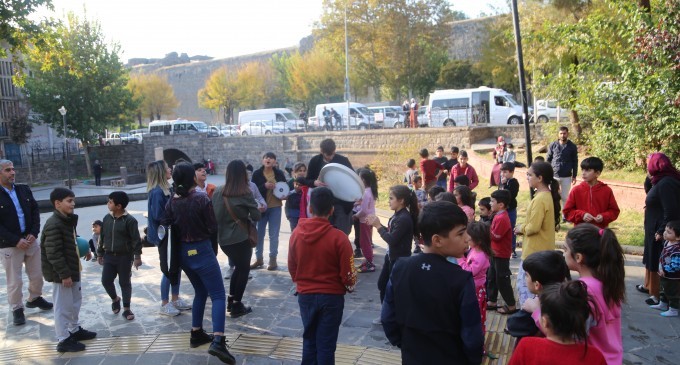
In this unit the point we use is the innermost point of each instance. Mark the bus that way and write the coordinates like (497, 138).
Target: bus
(480, 106)
(179, 126)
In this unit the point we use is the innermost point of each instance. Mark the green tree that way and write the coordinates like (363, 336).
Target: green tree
(154, 94)
(315, 77)
(78, 70)
(255, 83)
(459, 74)
(16, 27)
(220, 94)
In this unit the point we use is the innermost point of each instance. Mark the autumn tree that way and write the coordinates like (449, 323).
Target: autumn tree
(77, 69)
(315, 77)
(255, 83)
(220, 93)
(154, 94)
(458, 74)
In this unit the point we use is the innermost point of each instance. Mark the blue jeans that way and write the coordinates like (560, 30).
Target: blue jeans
(271, 216)
(442, 183)
(512, 214)
(321, 317)
(201, 267)
(165, 285)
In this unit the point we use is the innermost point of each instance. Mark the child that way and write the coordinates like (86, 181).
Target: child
(433, 192)
(294, 197)
(320, 264)
(542, 214)
(597, 256)
(509, 183)
(402, 228)
(120, 247)
(669, 270)
(464, 200)
(421, 195)
(566, 331)
(411, 173)
(462, 168)
(591, 201)
(61, 266)
(501, 244)
(430, 169)
(366, 208)
(509, 155)
(476, 261)
(485, 214)
(441, 179)
(446, 326)
(94, 241)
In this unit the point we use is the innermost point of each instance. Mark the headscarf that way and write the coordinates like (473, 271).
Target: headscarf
(659, 166)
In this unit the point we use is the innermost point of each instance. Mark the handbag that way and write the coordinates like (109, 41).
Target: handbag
(249, 228)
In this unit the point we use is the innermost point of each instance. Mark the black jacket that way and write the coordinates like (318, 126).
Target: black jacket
(10, 231)
(259, 179)
(120, 236)
(662, 205)
(58, 248)
(400, 234)
(564, 159)
(314, 169)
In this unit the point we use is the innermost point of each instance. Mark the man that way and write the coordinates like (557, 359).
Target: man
(563, 156)
(327, 119)
(97, 173)
(19, 227)
(342, 213)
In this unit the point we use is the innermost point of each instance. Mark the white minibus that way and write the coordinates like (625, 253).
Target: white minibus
(480, 106)
(274, 115)
(359, 117)
(179, 126)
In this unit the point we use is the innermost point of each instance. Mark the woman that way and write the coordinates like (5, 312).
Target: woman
(193, 221)
(498, 153)
(231, 230)
(661, 206)
(157, 175)
(266, 178)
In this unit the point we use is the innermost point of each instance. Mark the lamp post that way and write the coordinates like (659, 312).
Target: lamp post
(62, 111)
(347, 95)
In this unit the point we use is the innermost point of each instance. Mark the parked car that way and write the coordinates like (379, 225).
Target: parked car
(223, 131)
(260, 127)
(547, 110)
(121, 138)
(390, 116)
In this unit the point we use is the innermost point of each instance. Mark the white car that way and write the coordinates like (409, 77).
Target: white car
(260, 127)
(122, 138)
(547, 110)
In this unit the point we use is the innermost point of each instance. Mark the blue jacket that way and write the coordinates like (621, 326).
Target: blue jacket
(563, 158)
(156, 210)
(10, 230)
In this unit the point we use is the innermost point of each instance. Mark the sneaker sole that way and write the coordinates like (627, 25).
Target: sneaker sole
(195, 345)
(240, 314)
(37, 306)
(225, 359)
(169, 314)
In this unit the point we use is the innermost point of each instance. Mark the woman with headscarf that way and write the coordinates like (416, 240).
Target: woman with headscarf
(661, 206)
(498, 153)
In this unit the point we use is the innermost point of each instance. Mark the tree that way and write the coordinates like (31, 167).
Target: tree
(254, 84)
(78, 70)
(317, 76)
(16, 27)
(154, 95)
(458, 74)
(220, 93)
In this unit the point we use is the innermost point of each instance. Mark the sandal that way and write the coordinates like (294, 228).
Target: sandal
(641, 288)
(115, 306)
(506, 310)
(490, 307)
(127, 314)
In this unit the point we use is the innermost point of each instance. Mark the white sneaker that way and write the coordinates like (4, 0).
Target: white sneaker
(662, 306)
(181, 304)
(169, 310)
(377, 321)
(672, 312)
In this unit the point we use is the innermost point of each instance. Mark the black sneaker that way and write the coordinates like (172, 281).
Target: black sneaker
(357, 253)
(70, 345)
(651, 301)
(39, 302)
(200, 337)
(238, 310)
(82, 334)
(218, 348)
(19, 317)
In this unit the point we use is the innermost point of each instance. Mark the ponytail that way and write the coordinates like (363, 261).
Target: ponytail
(412, 205)
(604, 256)
(184, 179)
(567, 306)
(554, 186)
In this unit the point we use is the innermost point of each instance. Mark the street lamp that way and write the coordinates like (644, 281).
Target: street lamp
(62, 111)
(347, 95)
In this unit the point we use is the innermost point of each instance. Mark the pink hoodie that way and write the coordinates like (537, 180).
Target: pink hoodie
(477, 263)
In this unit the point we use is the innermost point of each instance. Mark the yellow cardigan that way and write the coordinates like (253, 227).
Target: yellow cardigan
(539, 227)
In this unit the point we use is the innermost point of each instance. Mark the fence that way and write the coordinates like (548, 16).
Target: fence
(38, 153)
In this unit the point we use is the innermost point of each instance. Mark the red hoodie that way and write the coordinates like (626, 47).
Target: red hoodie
(597, 199)
(320, 258)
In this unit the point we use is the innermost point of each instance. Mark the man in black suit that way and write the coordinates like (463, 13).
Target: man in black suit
(19, 227)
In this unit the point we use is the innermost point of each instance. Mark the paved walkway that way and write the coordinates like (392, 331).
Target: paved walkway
(272, 333)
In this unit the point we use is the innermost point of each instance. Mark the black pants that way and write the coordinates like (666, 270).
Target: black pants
(357, 236)
(120, 266)
(239, 254)
(98, 179)
(384, 276)
(498, 279)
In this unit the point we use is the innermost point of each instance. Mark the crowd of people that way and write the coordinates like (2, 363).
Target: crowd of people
(444, 268)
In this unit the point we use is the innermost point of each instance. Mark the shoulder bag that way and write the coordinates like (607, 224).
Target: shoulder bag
(249, 228)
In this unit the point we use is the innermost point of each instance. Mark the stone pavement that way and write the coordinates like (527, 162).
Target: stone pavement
(272, 333)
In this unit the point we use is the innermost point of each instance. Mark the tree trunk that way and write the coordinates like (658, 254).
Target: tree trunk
(645, 5)
(139, 118)
(87, 159)
(575, 124)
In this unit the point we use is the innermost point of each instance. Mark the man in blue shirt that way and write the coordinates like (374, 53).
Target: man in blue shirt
(19, 227)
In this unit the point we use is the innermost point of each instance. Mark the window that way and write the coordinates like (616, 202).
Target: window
(280, 118)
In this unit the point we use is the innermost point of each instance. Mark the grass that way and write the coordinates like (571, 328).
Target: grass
(634, 177)
(628, 227)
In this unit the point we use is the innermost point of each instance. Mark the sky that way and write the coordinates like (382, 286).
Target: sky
(153, 28)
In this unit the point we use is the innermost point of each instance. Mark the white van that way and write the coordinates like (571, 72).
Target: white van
(179, 126)
(480, 106)
(359, 117)
(280, 115)
(390, 116)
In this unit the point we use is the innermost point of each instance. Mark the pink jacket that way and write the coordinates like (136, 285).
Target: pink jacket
(477, 263)
(367, 205)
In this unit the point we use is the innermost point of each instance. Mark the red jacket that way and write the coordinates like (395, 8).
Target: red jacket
(320, 258)
(428, 168)
(469, 171)
(501, 235)
(598, 199)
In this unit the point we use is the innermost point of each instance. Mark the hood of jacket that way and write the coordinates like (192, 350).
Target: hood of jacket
(313, 229)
